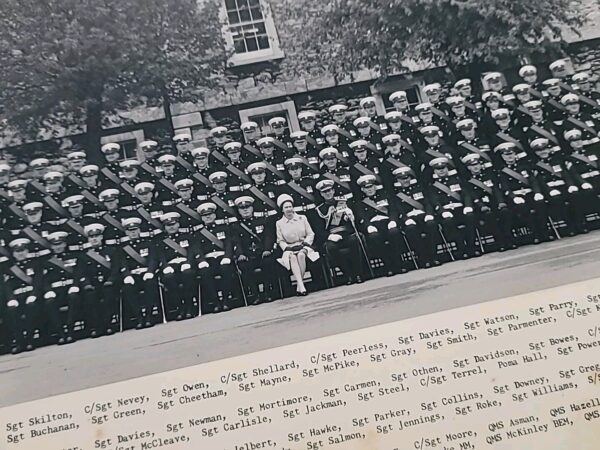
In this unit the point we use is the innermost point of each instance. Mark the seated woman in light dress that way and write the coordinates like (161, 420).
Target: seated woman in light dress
(295, 237)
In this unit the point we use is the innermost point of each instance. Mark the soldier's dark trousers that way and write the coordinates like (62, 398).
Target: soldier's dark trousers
(257, 270)
(347, 255)
(587, 201)
(180, 290)
(58, 323)
(22, 321)
(101, 304)
(141, 297)
(461, 229)
(498, 223)
(215, 278)
(423, 238)
(561, 207)
(534, 215)
(388, 246)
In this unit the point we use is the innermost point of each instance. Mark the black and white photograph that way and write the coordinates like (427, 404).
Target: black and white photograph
(183, 181)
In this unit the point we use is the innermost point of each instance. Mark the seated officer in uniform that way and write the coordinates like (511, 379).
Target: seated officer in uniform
(382, 235)
(178, 257)
(22, 284)
(338, 233)
(216, 245)
(520, 187)
(410, 208)
(582, 163)
(61, 288)
(558, 188)
(138, 262)
(453, 207)
(254, 242)
(489, 204)
(333, 169)
(98, 277)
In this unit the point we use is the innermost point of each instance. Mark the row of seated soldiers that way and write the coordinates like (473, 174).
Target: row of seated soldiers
(88, 236)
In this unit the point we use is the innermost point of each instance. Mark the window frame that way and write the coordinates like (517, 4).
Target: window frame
(240, 59)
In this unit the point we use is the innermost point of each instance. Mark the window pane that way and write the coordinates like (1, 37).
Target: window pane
(256, 13)
(239, 46)
(260, 28)
(230, 4)
(245, 15)
(263, 42)
(233, 17)
(242, 4)
(251, 44)
(254, 3)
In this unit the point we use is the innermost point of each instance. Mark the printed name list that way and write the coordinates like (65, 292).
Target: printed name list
(521, 372)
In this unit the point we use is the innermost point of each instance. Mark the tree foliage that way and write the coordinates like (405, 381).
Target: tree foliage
(345, 35)
(66, 60)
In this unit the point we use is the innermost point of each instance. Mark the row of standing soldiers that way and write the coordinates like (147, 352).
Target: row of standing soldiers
(108, 241)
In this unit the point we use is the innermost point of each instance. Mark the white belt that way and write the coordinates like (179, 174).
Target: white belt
(280, 182)
(201, 197)
(522, 191)
(305, 207)
(594, 140)
(593, 173)
(215, 254)
(15, 232)
(556, 183)
(139, 270)
(242, 187)
(453, 205)
(222, 221)
(38, 254)
(265, 213)
(23, 290)
(178, 260)
(61, 283)
(111, 241)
